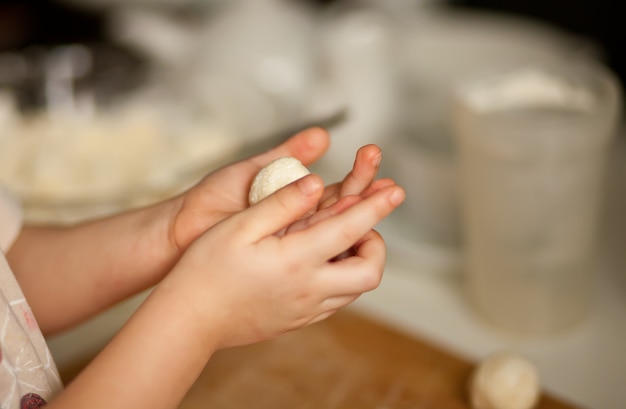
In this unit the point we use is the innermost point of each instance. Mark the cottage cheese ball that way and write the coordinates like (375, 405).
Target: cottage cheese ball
(505, 380)
(275, 175)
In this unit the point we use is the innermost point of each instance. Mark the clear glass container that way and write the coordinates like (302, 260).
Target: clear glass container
(532, 145)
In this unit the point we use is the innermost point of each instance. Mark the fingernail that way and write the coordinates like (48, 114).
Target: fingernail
(308, 185)
(397, 196)
(376, 160)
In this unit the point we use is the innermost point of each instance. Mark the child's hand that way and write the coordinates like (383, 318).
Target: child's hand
(237, 283)
(359, 183)
(361, 180)
(243, 284)
(225, 191)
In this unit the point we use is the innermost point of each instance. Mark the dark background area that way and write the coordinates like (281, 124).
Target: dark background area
(597, 20)
(23, 23)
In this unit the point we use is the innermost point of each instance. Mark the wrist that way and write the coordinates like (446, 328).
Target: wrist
(163, 230)
(170, 211)
(151, 362)
(198, 309)
(152, 246)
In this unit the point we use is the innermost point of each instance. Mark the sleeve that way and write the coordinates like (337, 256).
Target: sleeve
(11, 218)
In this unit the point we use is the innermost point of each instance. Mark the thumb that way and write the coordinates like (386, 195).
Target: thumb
(281, 208)
(307, 146)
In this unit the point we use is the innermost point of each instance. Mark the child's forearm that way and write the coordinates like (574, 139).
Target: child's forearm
(151, 363)
(71, 273)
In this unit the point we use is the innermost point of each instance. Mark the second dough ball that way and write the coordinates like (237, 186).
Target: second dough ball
(505, 380)
(275, 175)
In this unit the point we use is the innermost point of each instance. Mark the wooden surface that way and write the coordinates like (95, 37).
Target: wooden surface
(348, 361)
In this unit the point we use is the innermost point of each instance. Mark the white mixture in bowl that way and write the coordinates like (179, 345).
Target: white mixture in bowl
(120, 158)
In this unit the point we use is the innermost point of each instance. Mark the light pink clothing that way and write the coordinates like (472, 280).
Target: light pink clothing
(28, 375)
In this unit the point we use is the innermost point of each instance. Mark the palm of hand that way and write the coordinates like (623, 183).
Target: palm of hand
(219, 195)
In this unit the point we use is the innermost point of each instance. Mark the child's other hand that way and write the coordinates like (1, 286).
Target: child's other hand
(361, 180)
(225, 191)
(244, 284)
(359, 183)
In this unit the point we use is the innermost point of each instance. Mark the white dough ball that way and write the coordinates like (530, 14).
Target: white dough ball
(504, 380)
(275, 175)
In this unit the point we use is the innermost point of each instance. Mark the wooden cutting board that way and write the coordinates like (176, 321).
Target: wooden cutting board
(348, 361)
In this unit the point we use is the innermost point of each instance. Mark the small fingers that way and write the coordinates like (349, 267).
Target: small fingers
(279, 209)
(359, 273)
(377, 185)
(331, 193)
(332, 236)
(363, 171)
(323, 214)
(307, 146)
(340, 301)
(359, 180)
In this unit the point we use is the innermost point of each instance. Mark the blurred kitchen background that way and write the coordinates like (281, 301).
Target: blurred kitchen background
(109, 104)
